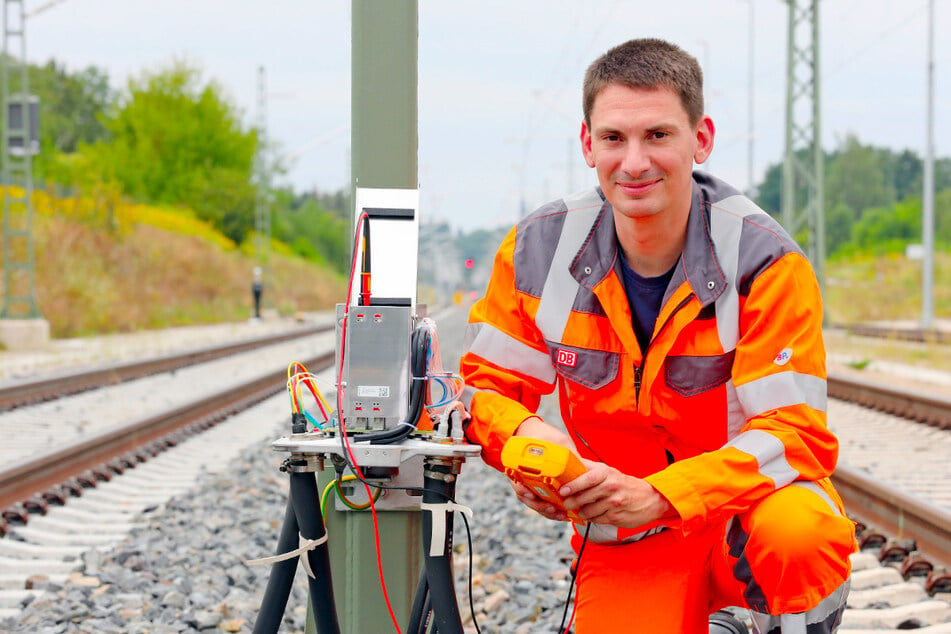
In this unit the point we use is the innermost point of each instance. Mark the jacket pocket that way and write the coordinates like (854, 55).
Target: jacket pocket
(590, 368)
(689, 376)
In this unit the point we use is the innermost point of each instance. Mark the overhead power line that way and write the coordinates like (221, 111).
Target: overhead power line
(43, 7)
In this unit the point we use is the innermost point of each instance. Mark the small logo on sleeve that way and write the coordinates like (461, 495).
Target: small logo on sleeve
(783, 357)
(566, 357)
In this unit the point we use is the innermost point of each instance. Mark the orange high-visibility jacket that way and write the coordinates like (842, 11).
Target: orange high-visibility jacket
(729, 401)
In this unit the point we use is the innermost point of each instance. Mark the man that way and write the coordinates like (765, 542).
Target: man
(683, 329)
(257, 288)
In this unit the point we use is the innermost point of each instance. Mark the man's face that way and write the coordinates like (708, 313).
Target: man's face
(643, 147)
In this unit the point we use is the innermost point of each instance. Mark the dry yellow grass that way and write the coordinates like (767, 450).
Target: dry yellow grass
(95, 277)
(867, 288)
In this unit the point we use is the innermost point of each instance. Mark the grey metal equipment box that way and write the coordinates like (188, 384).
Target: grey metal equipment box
(376, 374)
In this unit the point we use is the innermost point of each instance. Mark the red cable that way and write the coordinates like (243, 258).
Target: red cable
(343, 431)
(571, 619)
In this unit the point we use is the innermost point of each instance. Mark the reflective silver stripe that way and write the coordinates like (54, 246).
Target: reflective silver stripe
(500, 349)
(472, 331)
(725, 229)
(735, 418)
(770, 455)
(782, 390)
(558, 294)
(818, 620)
(606, 534)
(466, 397)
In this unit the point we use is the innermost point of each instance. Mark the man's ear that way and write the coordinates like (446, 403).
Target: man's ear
(586, 144)
(705, 134)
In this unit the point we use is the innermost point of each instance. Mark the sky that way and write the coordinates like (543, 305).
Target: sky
(499, 83)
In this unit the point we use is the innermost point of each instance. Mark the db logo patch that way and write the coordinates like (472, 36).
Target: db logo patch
(566, 357)
(783, 357)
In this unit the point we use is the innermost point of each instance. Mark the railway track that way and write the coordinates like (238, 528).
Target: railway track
(903, 333)
(54, 475)
(910, 537)
(27, 392)
(62, 505)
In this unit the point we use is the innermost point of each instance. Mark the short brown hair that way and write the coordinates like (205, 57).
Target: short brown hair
(647, 63)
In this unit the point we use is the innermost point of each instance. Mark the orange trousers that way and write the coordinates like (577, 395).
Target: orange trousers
(789, 554)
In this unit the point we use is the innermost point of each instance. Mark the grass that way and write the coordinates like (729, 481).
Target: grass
(148, 270)
(865, 288)
(863, 350)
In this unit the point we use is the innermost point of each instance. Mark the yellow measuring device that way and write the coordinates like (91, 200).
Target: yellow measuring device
(542, 466)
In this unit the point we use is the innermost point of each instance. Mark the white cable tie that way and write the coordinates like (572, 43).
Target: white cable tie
(438, 542)
(305, 545)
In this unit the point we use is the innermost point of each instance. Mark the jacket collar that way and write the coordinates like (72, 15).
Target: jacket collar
(698, 264)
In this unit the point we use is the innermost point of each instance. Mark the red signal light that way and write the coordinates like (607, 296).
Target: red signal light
(469, 263)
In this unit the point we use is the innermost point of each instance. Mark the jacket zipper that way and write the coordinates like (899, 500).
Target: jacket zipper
(637, 382)
(637, 368)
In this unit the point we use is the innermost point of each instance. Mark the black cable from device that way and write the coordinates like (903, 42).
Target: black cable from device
(281, 579)
(472, 611)
(419, 611)
(439, 484)
(428, 613)
(574, 576)
(305, 499)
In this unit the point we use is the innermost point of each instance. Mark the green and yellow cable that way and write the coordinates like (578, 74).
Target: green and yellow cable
(350, 504)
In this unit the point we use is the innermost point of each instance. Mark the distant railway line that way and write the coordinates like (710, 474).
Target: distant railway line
(26, 392)
(920, 335)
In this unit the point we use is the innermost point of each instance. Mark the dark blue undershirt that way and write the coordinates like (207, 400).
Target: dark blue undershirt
(645, 296)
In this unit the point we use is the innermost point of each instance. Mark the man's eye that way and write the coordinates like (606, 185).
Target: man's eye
(613, 138)
(657, 134)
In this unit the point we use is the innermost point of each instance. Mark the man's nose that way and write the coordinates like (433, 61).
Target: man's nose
(636, 160)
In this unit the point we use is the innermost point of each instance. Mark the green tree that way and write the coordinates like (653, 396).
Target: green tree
(72, 106)
(855, 177)
(942, 218)
(839, 221)
(312, 230)
(885, 229)
(906, 174)
(177, 140)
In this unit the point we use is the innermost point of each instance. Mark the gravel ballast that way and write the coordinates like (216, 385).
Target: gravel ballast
(183, 571)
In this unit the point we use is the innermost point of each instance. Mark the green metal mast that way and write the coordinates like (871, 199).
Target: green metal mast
(803, 164)
(384, 155)
(19, 145)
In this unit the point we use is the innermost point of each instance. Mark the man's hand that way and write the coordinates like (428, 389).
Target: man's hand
(607, 496)
(535, 427)
(537, 504)
(602, 494)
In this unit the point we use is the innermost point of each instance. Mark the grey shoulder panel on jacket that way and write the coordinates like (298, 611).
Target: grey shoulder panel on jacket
(538, 235)
(760, 240)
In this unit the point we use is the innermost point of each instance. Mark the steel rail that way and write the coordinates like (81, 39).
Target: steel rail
(895, 512)
(925, 408)
(56, 386)
(920, 335)
(28, 478)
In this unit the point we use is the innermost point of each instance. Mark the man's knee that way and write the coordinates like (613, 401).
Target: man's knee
(800, 523)
(792, 549)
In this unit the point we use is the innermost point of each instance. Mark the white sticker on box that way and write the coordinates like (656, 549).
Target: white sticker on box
(373, 391)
